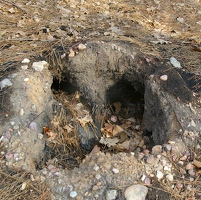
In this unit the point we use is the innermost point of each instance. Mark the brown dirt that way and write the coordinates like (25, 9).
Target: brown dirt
(28, 28)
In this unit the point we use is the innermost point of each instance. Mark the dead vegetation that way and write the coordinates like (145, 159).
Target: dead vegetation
(29, 28)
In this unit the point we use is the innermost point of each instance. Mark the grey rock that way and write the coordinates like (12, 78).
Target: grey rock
(136, 192)
(111, 194)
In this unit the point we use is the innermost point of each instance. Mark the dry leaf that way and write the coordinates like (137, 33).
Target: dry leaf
(108, 128)
(117, 129)
(197, 163)
(117, 106)
(83, 121)
(123, 146)
(69, 128)
(109, 141)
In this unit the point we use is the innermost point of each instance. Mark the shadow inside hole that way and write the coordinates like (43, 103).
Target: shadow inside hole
(132, 101)
(63, 85)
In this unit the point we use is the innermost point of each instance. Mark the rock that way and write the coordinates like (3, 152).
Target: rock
(170, 177)
(39, 66)
(180, 19)
(26, 60)
(175, 63)
(150, 159)
(111, 194)
(96, 167)
(73, 194)
(189, 166)
(136, 192)
(164, 77)
(115, 170)
(159, 174)
(5, 83)
(157, 149)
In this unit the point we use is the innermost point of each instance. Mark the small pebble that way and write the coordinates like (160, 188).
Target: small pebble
(170, 177)
(25, 60)
(164, 77)
(159, 174)
(136, 192)
(96, 167)
(157, 149)
(150, 159)
(180, 19)
(111, 194)
(40, 136)
(73, 194)
(98, 176)
(115, 170)
(24, 67)
(26, 79)
(5, 83)
(147, 181)
(81, 46)
(189, 166)
(175, 63)
(39, 66)
(24, 184)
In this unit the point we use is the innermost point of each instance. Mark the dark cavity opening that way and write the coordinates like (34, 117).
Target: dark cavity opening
(132, 101)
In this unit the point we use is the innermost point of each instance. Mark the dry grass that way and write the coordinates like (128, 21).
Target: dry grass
(11, 187)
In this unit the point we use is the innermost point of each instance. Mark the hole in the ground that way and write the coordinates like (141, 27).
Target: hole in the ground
(118, 122)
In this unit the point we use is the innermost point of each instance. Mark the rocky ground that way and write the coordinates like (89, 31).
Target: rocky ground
(48, 52)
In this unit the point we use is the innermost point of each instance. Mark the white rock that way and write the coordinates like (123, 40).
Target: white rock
(175, 63)
(98, 176)
(24, 184)
(5, 83)
(115, 170)
(164, 77)
(81, 46)
(170, 177)
(73, 194)
(111, 194)
(26, 60)
(159, 174)
(39, 66)
(26, 79)
(136, 192)
(96, 167)
(24, 67)
(180, 19)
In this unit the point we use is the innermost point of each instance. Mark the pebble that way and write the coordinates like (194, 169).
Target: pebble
(157, 149)
(98, 176)
(191, 172)
(26, 79)
(24, 184)
(96, 167)
(25, 60)
(175, 63)
(189, 166)
(115, 170)
(5, 83)
(136, 192)
(164, 77)
(150, 159)
(111, 194)
(81, 46)
(24, 67)
(33, 126)
(180, 19)
(73, 194)
(170, 177)
(39, 66)
(40, 136)
(159, 174)
(147, 181)
(21, 112)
